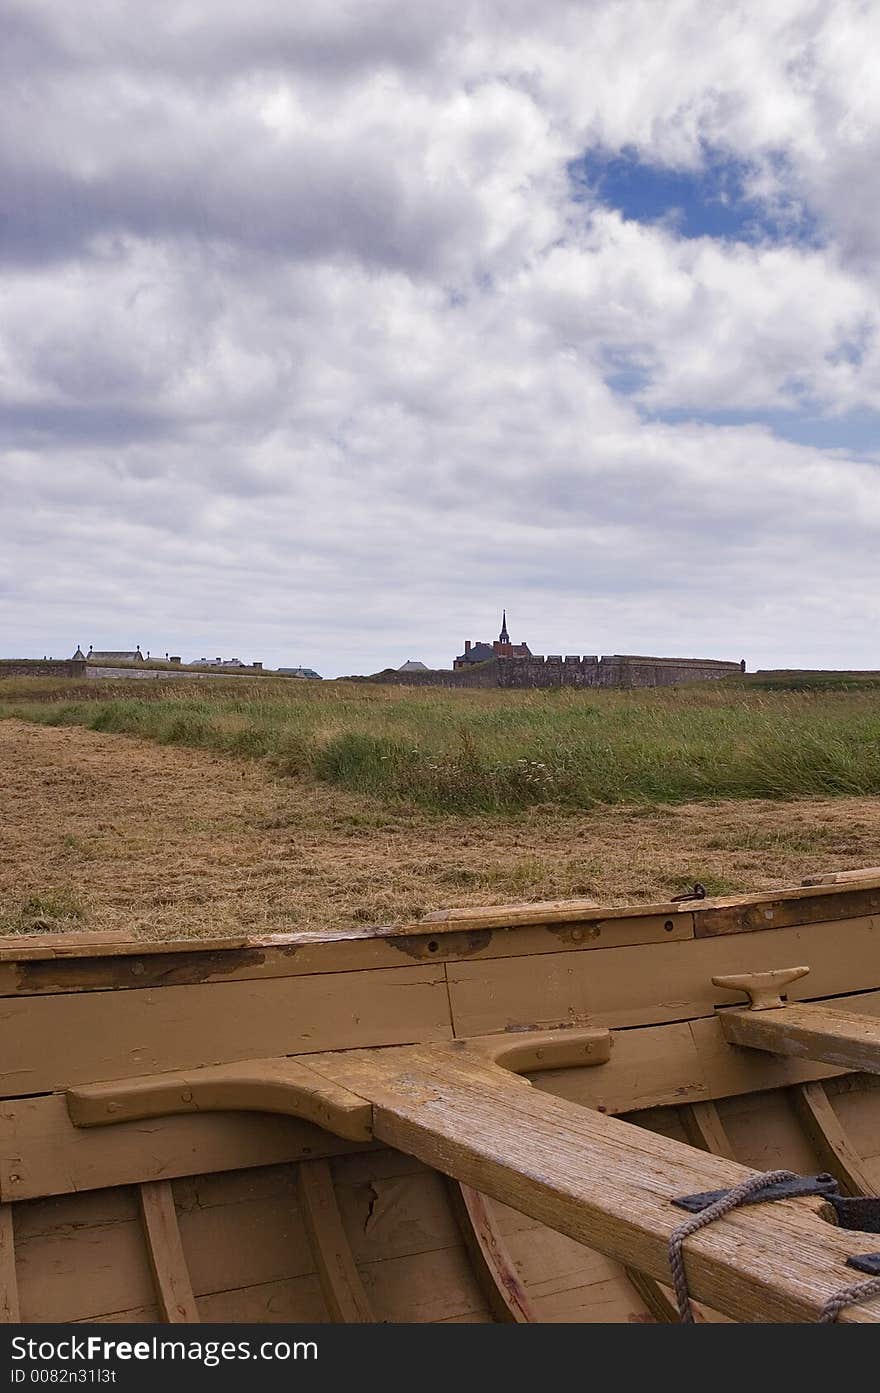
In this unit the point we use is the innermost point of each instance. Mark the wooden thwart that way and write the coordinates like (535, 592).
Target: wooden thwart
(174, 1291)
(808, 1032)
(602, 1182)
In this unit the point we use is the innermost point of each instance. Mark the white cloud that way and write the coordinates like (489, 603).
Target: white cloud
(307, 352)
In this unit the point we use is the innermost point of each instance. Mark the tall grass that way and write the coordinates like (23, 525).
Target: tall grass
(500, 751)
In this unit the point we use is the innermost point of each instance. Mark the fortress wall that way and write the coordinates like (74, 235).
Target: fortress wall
(557, 670)
(625, 671)
(40, 667)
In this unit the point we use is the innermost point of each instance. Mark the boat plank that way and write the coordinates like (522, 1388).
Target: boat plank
(129, 966)
(808, 1031)
(54, 1042)
(827, 1134)
(340, 1281)
(601, 1181)
(167, 1261)
(662, 982)
(424, 1287)
(9, 1309)
(42, 1153)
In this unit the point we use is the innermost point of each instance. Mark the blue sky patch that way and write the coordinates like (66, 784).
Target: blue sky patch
(711, 201)
(857, 432)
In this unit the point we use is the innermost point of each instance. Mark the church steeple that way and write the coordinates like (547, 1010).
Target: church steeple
(504, 636)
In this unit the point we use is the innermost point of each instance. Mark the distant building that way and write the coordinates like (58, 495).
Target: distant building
(299, 672)
(412, 666)
(79, 656)
(100, 655)
(482, 652)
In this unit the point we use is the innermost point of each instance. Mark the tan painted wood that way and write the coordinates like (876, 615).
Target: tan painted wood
(42, 1153)
(764, 989)
(167, 1261)
(704, 1129)
(55, 1042)
(261, 1085)
(622, 987)
(137, 966)
(655, 1297)
(808, 1031)
(340, 1281)
(534, 1051)
(493, 1266)
(601, 1181)
(829, 1137)
(9, 1310)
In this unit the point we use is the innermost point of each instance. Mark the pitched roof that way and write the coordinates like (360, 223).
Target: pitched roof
(478, 653)
(412, 666)
(106, 656)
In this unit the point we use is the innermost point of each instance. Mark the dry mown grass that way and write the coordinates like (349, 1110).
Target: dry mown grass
(98, 831)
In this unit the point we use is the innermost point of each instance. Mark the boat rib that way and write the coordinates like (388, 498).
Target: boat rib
(9, 1312)
(167, 1261)
(828, 1136)
(341, 1285)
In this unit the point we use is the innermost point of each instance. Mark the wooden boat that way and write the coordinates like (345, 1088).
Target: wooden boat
(485, 1115)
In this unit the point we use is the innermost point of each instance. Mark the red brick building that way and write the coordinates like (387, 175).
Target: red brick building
(482, 652)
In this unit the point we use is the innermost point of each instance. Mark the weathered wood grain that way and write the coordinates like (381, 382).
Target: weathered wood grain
(808, 1031)
(599, 1180)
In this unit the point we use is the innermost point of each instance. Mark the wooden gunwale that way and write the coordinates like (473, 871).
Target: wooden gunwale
(25, 963)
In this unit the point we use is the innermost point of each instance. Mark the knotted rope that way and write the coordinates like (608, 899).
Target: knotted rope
(848, 1296)
(740, 1194)
(731, 1200)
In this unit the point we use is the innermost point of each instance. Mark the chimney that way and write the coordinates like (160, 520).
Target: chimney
(467, 645)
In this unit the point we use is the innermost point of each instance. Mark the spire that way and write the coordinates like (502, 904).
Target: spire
(504, 636)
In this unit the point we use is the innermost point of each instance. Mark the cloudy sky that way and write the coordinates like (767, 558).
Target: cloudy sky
(329, 328)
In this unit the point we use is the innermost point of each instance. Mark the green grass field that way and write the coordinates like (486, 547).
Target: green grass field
(500, 751)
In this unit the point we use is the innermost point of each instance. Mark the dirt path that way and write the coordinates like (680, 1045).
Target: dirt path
(105, 831)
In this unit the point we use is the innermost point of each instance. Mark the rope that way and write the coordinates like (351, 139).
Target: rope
(848, 1296)
(731, 1200)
